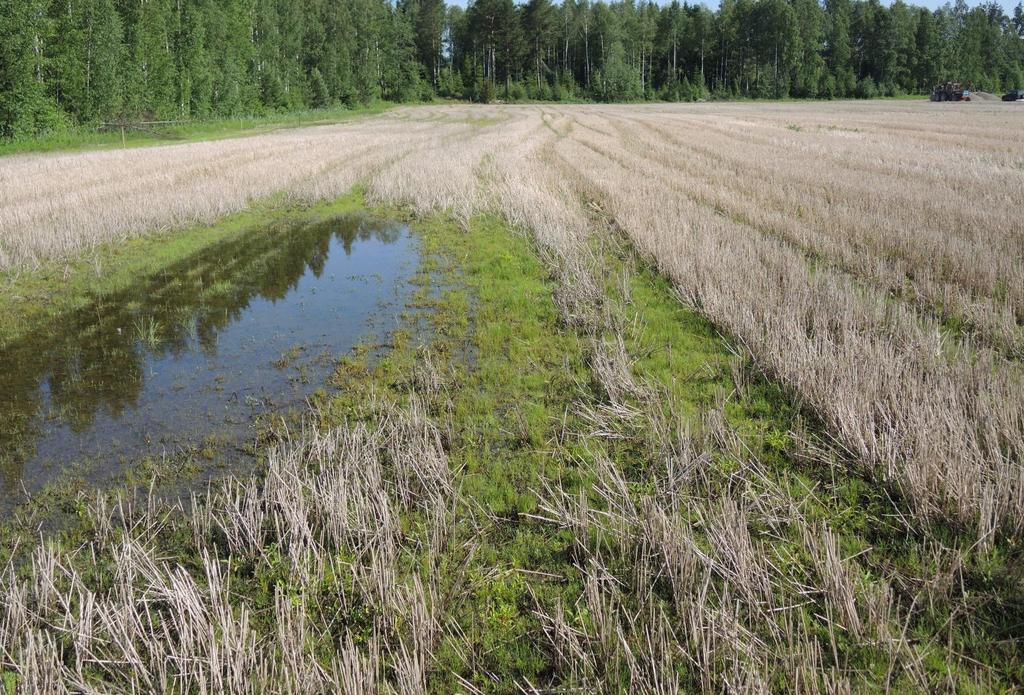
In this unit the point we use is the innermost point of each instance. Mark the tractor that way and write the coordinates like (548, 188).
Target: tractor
(951, 91)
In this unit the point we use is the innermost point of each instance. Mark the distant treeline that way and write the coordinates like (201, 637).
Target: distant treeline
(82, 61)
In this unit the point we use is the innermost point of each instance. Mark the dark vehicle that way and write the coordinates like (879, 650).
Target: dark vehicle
(951, 91)
(1014, 95)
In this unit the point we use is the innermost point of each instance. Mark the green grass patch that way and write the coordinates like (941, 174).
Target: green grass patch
(511, 371)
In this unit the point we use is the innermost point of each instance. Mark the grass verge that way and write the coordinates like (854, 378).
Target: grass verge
(92, 138)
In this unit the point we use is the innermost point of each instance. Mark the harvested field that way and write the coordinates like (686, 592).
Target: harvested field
(864, 259)
(870, 256)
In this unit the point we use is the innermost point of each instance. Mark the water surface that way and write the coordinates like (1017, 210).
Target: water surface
(194, 353)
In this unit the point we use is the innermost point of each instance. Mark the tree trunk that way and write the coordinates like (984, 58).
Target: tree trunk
(675, 47)
(565, 51)
(776, 70)
(586, 48)
(537, 52)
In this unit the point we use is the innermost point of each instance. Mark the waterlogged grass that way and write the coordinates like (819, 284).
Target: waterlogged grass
(93, 363)
(31, 297)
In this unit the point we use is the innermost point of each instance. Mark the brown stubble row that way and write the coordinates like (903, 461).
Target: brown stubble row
(889, 217)
(868, 256)
(939, 414)
(331, 505)
(865, 227)
(59, 205)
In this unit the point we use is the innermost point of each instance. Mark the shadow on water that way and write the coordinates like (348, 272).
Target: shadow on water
(199, 348)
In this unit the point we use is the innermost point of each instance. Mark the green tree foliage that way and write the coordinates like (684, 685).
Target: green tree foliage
(84, 61)
(428, 21)
(927, 60)
(617, 80)
(496, 46)
(25, 34)
(839, 50)
(539, 28)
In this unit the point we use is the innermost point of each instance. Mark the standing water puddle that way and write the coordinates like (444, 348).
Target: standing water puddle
(246, 326)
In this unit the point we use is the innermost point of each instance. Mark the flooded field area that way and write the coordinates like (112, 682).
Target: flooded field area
(194, 353)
